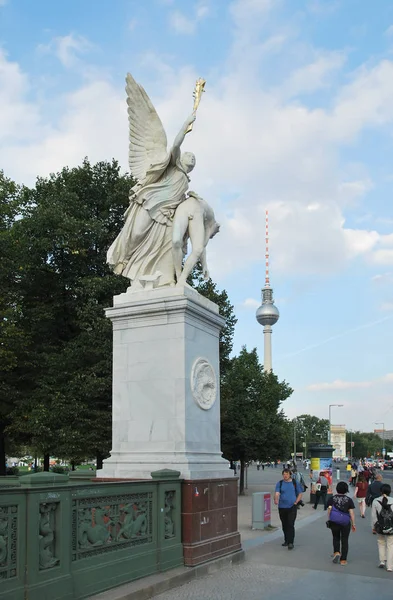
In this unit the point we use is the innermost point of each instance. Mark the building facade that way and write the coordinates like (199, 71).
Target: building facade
(338, 439)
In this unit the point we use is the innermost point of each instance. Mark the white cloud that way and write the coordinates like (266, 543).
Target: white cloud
(132, 24)
(339, 384)
(68, 49)
(3, 2)
(182, 24)
(251, 303)
(315, 75)
(387, 306)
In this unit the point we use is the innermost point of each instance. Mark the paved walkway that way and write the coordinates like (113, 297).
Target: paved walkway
(306, 573)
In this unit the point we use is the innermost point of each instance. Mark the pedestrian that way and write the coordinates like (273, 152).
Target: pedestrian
(354, 474)
(341, 519)
(349, 469)
(288, 494)
(382, 525)
(361, 493)
(321, 490)
(374, 490)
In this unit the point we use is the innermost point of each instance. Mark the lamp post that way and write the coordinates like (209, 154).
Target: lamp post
(351, 444)
(383, 436)
(330, 420)
(296, 421)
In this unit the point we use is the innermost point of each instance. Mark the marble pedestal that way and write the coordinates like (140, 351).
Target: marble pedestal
(166, 404)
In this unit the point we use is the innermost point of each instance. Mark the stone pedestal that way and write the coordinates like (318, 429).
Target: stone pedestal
(166, 404)
(209, 519)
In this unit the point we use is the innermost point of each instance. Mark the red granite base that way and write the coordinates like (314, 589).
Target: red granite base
(209, 519)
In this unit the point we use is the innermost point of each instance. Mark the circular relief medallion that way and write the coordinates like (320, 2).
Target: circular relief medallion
(203, 383)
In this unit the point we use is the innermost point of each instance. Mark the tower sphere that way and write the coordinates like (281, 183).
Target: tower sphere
(267, 314)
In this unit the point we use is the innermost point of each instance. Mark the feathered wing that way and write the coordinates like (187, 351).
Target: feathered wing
(147, 138)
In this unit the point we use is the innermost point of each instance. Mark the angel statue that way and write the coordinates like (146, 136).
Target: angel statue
(143, 249)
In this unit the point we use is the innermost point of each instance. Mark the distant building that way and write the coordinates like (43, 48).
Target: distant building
(386, 434)
(338, 439)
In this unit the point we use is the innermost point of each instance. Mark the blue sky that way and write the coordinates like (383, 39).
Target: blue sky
(297, 118)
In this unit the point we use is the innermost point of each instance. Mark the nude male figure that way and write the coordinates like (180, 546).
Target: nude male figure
(193, 219)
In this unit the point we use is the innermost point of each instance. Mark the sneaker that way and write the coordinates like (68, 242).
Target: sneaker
(336, 558)
(381, 565)
(389, 570)
(343, 562)
(284, 544)
(290, 546)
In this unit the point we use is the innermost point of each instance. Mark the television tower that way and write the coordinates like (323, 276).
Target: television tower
(267, 314)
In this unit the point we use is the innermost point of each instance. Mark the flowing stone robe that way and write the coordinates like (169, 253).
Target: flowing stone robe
(145, 249)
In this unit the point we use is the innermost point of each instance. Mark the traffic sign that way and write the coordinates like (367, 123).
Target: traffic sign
(352, 444)
(304, 444)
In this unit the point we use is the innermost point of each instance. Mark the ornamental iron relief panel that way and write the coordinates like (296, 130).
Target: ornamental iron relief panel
(170, 498)
(47, 535)
(8, 541)
(111, 522)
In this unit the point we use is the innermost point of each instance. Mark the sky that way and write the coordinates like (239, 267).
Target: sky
(297, 119)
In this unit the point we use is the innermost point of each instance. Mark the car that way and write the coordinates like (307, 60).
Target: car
(388, 464)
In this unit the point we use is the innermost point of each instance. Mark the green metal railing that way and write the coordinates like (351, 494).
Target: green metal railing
(62, 540)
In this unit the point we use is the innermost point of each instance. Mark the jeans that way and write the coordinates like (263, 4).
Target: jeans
(340, 537)
(322, 495)
(288, 518)
(385, 549)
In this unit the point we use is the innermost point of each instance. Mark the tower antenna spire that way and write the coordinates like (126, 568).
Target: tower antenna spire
(267, 314)
(267, 279)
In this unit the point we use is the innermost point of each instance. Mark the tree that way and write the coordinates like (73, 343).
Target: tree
(65, 285)
(309, 430)
(12, 338)
(366, 444)
(253, 425)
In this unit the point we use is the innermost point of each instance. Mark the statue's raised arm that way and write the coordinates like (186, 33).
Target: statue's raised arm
(142, 251)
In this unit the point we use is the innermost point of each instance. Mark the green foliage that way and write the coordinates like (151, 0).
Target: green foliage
(366, 444)
(63, 375)
(253, 425)
(311, 430)
(59, 469)
(12, 471)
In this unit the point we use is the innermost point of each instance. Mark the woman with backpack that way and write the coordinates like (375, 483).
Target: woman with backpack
(382, 525)
(341, 517)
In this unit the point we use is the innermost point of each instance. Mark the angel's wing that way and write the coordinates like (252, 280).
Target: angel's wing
(148, 143)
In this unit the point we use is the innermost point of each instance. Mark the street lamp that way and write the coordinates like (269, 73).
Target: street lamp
(330, 420)
(383, 436)
(297, 419)
(350, 431)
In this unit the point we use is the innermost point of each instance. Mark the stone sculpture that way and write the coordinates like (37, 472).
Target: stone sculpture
(143, 251)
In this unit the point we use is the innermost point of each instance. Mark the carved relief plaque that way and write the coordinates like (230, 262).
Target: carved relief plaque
(203, 383)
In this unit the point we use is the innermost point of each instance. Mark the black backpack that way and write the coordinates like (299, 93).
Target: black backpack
(384, 524)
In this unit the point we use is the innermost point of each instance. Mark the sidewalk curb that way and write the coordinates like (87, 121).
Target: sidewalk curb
(148, 587)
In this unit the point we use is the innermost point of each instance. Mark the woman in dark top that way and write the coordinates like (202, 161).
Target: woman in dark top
(341, 517)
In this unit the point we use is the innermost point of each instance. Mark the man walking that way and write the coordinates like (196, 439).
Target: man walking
(288, 494)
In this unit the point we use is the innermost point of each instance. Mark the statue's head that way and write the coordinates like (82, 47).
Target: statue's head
(188, 161)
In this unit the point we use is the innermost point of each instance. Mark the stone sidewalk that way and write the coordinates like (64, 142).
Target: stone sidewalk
(264, 569)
